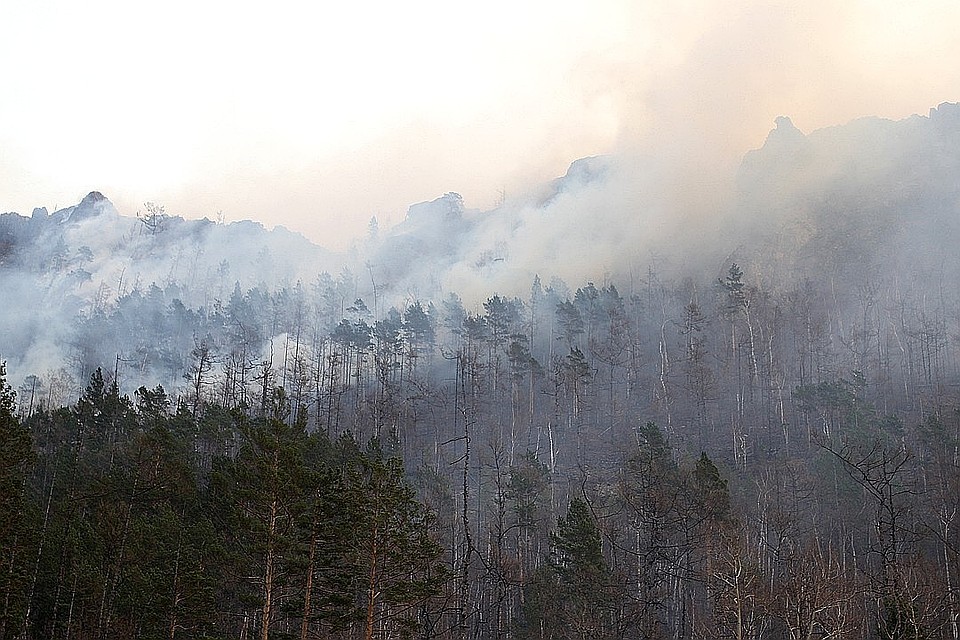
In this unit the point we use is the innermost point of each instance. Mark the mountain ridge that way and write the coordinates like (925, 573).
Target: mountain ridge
(847, 202)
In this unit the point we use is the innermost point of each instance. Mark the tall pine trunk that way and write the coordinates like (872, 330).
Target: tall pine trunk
(268, 573)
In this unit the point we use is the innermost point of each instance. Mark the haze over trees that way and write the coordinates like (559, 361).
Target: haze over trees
(754, 435)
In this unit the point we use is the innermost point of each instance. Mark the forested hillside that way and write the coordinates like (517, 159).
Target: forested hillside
(754, 435)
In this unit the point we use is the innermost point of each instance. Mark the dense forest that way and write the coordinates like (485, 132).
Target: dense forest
(755, 435)
(713, 461)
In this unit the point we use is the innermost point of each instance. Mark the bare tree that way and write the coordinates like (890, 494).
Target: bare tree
(153, 220)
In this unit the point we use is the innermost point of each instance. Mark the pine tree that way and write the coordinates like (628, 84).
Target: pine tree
(655, 542)
(394, 555)
(712, 492)
(574, 595)
(261, 490)
(16, 456)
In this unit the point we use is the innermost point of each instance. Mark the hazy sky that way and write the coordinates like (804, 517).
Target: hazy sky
(317, 115)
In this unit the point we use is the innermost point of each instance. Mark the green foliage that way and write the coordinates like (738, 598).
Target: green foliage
(16, 457)
(230, 511)
(843, 415)
(734, 299)
(521, 361)
(576, 551)
(650, 484)
(529, 480)
(419, 326)
(712, 492)
(575, 369)
(392, 544)
(151, 524)
(570, 321)
(574, 595)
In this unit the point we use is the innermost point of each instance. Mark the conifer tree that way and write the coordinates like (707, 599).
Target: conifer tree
(574, 595)
(16, 457)
(394, 555)
(261, 490)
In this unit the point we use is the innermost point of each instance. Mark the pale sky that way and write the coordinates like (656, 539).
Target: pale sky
(318, 115)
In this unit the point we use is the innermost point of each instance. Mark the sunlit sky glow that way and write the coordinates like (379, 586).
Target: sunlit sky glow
(318, 115)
